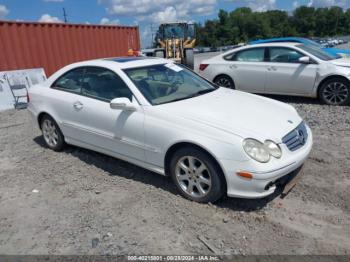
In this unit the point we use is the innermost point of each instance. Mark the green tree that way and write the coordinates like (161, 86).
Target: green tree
(242, 25)
(305, 21)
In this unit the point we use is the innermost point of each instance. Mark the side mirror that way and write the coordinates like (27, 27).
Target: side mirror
(305, 60)
(122, 103)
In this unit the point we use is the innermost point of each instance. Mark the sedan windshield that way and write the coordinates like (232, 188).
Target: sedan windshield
(318, 52)
(312, 43)
(167, 83)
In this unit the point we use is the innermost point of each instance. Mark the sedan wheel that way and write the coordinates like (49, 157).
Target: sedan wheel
(52, 134)
(335, 92)
(193, 176)
(224, 81)
(196, 175)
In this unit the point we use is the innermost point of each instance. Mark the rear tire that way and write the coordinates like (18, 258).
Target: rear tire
(224, 81)
(335, 92)
(196, 175)
(52, 134)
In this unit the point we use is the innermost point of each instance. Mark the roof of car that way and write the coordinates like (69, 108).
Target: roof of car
(128, 59)
(285, 44)
(115, 62)
(274, 44)
(125, 62)
(280, 39)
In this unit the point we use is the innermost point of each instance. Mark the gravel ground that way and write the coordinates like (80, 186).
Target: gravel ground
(82, 202)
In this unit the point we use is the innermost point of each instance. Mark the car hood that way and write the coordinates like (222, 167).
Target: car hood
(335, 51)
(238, 113)
(341, 62)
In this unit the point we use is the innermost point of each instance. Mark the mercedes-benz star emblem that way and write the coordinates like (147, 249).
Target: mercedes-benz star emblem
(301, 137)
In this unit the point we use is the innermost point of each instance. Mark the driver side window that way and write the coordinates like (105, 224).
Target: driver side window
(284, 55)
(103, 84)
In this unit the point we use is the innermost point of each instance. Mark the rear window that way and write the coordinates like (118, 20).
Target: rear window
(70, 81)
(247, 55)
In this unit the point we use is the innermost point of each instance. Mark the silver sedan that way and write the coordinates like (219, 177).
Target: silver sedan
(283, 69)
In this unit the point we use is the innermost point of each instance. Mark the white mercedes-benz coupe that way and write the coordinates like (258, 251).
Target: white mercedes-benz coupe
(165, 118)
(282, 69)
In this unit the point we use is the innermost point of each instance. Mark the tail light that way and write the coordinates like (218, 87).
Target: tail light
(202, 67)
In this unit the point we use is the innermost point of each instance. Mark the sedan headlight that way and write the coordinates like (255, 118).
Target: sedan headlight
(273, 149)
(256, 150)
(261, 152)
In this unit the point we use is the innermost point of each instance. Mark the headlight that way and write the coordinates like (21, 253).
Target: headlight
(273, 149)
(261, 151)
(256, 150)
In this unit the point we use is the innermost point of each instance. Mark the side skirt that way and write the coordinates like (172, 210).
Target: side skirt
(150, 167)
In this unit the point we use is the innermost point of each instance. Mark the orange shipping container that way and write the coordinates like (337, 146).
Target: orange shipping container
(25, 45)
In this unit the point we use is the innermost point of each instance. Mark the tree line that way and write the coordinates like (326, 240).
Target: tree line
(242, 25)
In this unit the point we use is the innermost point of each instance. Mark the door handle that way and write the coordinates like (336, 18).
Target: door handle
(273, 68)
(78, 105)
(233, 66)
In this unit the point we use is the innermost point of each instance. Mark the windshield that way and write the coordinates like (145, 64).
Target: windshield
(174, 31)
(312, 43)
(167, 83)
(318, 52)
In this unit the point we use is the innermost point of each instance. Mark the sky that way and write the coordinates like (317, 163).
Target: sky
(145, 13)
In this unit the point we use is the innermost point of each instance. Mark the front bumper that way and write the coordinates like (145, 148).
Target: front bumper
(263, 174)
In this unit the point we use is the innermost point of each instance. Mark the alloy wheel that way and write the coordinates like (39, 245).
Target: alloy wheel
(224, 82)
(50, 133)
(193, 176)
(335, 93)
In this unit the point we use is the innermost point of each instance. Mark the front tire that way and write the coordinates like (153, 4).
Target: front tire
(224, 81)
(335, 92)
(196, 175)
(52, 134)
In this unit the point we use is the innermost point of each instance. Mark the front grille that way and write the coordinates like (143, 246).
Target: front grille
(296, 138)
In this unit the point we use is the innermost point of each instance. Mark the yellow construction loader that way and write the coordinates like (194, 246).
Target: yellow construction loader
(176, 41)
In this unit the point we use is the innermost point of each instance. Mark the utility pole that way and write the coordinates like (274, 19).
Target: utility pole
(65, 15)
(152, 35)
(336, 25)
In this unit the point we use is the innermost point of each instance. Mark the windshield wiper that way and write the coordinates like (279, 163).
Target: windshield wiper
(200, 92)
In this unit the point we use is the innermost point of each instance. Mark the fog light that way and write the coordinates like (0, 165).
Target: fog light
(245, 175)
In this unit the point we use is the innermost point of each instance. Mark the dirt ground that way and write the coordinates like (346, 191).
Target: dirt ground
(81, 202)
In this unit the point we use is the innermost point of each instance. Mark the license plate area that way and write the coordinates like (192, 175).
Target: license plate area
(289, 182)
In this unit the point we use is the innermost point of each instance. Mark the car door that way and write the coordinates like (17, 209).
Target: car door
(286, 75)
(93, 123)
(118, 131)
(248, 69)
(64, 93)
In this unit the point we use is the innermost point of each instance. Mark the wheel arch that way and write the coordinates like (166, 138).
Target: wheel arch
(330, 78)
(223, 74)
(173, 148)
(41, 115)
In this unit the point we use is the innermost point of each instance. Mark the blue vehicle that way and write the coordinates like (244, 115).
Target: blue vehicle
(332, 51)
